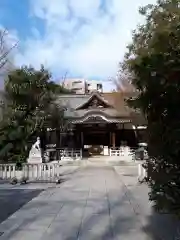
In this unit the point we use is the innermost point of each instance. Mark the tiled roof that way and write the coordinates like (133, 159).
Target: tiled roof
(116, 99)
(72, 101)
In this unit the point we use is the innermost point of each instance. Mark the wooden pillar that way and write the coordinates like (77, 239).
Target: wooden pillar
(114, 139)
(79, 139)
(82, 139)
(60, 139)
(53, 136)
(72, 140)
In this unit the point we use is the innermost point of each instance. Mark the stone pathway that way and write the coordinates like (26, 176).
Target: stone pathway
(158, 226)
(92, 204)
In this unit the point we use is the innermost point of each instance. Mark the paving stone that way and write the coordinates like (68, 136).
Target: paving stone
(38, 223)
(92, 204)
(24, 235)
(100, 235)
(62, 230)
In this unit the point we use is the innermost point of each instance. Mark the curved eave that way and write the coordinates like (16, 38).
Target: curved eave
(90, 98)
(102, 118)
(98, 112)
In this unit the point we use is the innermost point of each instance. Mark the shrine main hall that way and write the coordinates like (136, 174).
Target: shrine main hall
(100, 122)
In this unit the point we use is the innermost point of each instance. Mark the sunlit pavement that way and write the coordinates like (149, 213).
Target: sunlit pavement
(94, 202)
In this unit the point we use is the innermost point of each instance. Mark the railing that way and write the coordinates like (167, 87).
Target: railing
(7, 171)
(128, 154)
(71, 154)
(142, 172)
(66, 154)
(43, 171)
(131, 153)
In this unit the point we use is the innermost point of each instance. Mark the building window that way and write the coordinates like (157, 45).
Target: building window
(76, 82)
(99, 86)
(76, 88)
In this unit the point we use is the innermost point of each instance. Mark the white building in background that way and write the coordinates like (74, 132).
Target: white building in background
(93, 85)
(77, 85)
(83, 86)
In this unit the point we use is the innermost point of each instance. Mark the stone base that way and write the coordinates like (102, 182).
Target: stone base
(106, 151)
(34, 160)
(70, 159)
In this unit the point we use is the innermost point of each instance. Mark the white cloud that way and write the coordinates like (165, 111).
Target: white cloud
(88, 9)
(81, 37)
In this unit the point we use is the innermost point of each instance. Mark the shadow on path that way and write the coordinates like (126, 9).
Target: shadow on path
(162, 226)
(107, 215)
(13, 199)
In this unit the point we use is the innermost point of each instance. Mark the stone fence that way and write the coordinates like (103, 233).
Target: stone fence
(127, 154)
(33, 172)
(64, 154)
(142, 172)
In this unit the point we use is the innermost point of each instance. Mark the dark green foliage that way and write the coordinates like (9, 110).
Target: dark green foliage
(153, 59)
(29, 109)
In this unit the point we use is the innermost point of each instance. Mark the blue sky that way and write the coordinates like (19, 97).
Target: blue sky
(82, 38)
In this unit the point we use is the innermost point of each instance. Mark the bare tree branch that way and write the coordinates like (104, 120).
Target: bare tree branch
(123, 80)
(4, 52)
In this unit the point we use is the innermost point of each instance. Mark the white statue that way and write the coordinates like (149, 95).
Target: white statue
(35, 152)
(36, 145)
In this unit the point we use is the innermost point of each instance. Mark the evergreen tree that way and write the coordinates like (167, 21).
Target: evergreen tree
(29, 109)
(153, 59)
